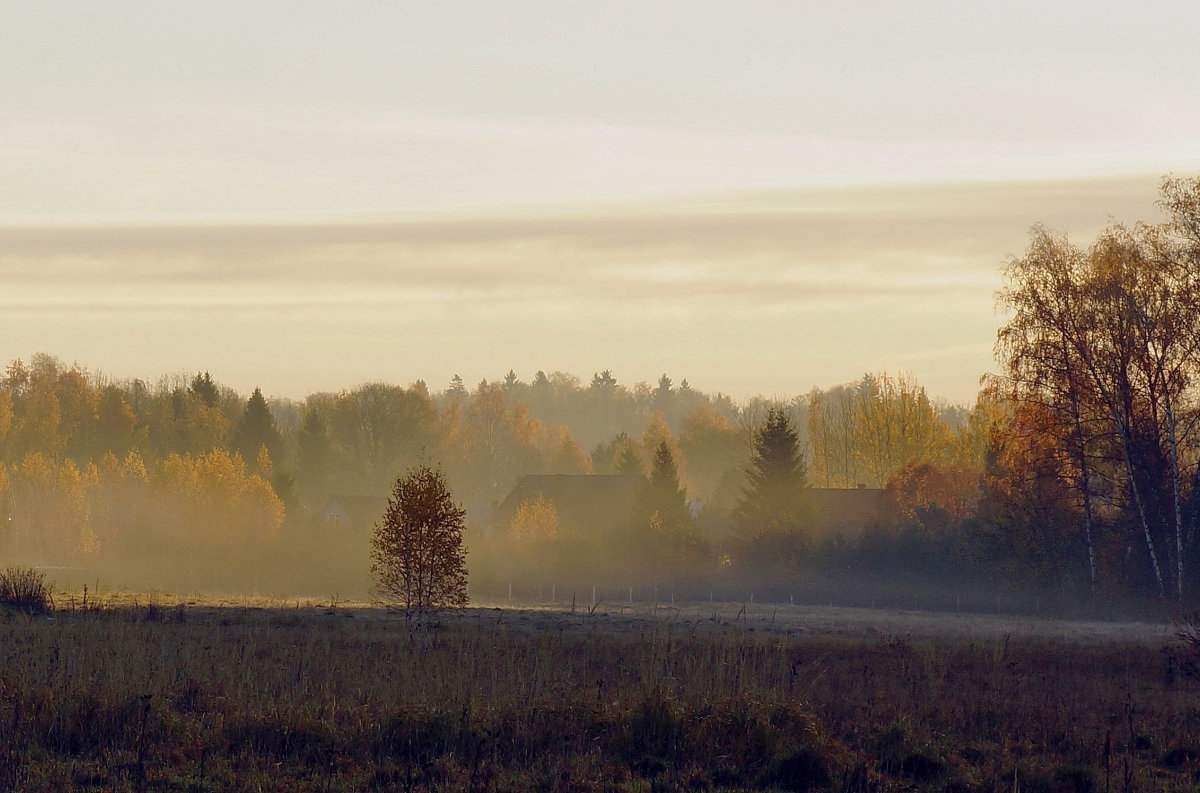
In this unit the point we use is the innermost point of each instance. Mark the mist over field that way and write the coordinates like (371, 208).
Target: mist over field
(599, 397)
(868, 317)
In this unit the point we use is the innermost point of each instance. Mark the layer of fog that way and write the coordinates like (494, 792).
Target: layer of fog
(766, 293)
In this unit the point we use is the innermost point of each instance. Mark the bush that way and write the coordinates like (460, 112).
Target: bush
(26, 589)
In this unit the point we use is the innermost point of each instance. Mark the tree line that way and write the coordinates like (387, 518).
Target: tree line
(1077, 469)
(93, 469)
(1100, 360)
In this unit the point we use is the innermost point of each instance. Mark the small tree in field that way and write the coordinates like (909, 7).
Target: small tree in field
(417, 552)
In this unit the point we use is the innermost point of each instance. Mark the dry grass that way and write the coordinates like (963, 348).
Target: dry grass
(164, 695)
(25, 589)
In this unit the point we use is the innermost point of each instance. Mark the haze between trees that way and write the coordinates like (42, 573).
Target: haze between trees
(1075, 471)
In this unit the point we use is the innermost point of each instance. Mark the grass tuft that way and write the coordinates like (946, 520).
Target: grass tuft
(25, 589)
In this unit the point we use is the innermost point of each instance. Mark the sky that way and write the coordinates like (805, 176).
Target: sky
(759, 197)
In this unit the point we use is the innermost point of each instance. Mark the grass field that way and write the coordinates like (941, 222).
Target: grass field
(259, 695)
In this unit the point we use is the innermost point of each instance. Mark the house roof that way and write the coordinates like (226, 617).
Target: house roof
(583, 501)
(844, 512)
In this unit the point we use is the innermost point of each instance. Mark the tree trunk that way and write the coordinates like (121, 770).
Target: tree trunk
(1085, 486)
(1176, 495)
(1141, 510)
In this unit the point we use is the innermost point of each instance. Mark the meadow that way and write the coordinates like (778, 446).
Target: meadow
(131, 694)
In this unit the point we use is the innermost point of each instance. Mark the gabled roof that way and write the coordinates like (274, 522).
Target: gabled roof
(584, 502)
(844, 512)
(354, 510)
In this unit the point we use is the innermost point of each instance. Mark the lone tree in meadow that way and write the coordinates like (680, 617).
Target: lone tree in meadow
(417, 552)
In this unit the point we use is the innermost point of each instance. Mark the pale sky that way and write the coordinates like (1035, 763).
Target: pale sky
(760, 197)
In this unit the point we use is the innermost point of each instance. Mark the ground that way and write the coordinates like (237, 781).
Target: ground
(157, 693)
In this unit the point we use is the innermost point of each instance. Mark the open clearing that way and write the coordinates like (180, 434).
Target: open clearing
(698, 617)
(135, 693)
(815, 621)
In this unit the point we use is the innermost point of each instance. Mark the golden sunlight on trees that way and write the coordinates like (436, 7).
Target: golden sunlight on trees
(863, 434)
(1029, 518)
(930, 497)
(569, 457)
(535, 522)
(498, 439)
(1104, 341)
(37, 431)
(210, 503)
(48, 511)
(714, 453)
(1076, 471)
(117, 499)
(6, 414)
(417, 553)
(657, 432)
(180, 422)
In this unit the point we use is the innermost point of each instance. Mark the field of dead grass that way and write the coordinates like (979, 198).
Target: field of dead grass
(154, 693)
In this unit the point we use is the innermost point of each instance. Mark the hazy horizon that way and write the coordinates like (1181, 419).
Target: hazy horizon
(748, 294)
(761, 198)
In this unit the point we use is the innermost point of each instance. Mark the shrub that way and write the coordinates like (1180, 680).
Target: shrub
(26, 589)
(1187, 629)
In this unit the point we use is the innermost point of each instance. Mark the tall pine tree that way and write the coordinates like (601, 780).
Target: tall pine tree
(256, 429)
(772, 512)
(662, 495)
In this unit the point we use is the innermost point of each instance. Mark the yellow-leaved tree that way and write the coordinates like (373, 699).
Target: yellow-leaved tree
(417, 554)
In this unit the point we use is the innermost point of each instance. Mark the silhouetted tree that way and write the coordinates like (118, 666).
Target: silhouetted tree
(115, 424)
(662, 494)
(1107, 339)
(383, 429)
(604, 381)
(256, 430)
(713, 447)
(456, 389)
(628, 458)
(205, 387)
(314, 455)
(770, 516)
(417, 552)
(665, 536)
